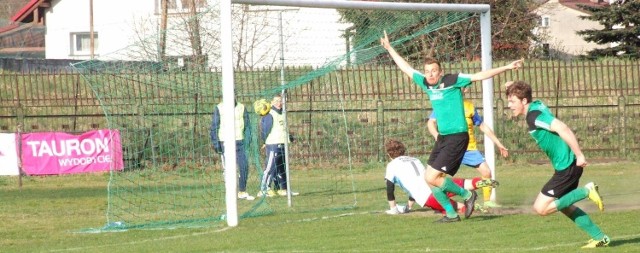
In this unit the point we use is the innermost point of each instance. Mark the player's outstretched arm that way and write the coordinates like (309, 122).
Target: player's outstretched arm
(487, 130)
(570, 138)
(402, 64)
(492, 72)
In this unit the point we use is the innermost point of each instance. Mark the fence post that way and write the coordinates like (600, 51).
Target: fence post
(623, 125)
(20, 129)
(499, 117)
(380, 129)
(20, 115)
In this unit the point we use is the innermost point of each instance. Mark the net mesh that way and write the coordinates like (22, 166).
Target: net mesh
(161, 91)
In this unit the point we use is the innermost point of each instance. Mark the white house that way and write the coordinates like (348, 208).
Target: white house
(71, 24)
(130, 30)
(559, 23)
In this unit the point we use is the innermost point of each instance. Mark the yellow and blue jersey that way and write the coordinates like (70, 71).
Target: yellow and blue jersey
(473, 118)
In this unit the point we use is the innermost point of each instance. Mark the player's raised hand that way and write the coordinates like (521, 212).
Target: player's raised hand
(516, 64)
(384, 41)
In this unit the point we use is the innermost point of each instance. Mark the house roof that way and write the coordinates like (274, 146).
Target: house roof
(573, 4)
(26, 15)
(24, 35)
(9, 27)
(26, 10)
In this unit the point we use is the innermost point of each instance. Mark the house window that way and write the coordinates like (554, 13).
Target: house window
(544, 22)
(186, 62)
(81, 43)
(178, 6)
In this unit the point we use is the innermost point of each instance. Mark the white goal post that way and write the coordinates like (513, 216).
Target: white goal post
(228, 81)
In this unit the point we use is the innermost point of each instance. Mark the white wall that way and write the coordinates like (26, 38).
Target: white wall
(113, 21)
(128, 30)
(310, 37)
(564, 22)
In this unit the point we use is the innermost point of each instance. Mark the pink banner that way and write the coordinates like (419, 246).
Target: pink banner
(62, 153)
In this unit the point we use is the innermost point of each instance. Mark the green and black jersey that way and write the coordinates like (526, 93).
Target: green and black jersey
(539, 120)
(446, 100)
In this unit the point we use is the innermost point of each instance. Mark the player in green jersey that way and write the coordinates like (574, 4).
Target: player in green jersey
(557, 140)
(445, 93)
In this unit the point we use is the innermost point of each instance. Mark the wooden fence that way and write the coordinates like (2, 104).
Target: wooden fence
(600, 100)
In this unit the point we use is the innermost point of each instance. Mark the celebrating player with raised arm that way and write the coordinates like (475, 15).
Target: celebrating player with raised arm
(445, 94)
(472, 157)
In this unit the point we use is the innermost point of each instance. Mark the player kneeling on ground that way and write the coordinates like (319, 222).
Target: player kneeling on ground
(408, 173)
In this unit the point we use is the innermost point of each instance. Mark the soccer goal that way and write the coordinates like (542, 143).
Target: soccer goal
(343, 98)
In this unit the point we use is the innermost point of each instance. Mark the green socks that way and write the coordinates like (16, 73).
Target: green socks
(439, 193)
(450, 186)
(571, 198)
(582, 220)
(442, 198)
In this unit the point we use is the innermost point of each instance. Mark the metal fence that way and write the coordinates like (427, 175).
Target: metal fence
(600, 100)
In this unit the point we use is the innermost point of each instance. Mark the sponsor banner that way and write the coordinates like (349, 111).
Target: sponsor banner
(61, 153)
(8, 155)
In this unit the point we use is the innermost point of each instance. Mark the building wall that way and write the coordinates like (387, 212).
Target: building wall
(564, 22)
(310, 37)
(112, 21)
(128, 30)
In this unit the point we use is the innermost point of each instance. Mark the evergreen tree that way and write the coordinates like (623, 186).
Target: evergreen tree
(621, 21)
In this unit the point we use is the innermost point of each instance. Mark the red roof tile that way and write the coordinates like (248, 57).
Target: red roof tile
(573, 4)
(25, 11)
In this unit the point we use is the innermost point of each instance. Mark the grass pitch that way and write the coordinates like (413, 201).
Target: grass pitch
(53, 214)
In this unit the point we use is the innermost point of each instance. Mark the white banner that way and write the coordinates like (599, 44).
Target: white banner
(8, 155)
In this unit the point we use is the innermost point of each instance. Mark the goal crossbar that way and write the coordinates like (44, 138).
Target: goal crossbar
(473, 8)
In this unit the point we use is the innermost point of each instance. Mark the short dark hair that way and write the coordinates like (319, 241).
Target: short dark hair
(431, 60)
(276, 96)
(395, 148)
(520, 89)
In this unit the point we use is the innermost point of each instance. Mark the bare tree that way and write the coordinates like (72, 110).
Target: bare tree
(190, 30)
(255, 32)
(8, 8)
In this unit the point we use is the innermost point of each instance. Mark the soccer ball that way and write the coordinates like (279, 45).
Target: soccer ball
(261, 107)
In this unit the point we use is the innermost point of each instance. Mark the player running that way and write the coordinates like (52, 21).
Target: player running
(557, 140)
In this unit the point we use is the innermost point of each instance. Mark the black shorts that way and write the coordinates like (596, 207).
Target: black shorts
(562, 182)
(448, 152)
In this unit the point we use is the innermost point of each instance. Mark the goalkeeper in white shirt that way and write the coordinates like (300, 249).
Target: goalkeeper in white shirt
(408, 173)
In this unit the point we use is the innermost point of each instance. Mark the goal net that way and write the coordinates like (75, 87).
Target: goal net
(344, 98)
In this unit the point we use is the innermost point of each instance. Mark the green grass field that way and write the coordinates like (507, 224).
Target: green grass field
(57, 213)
